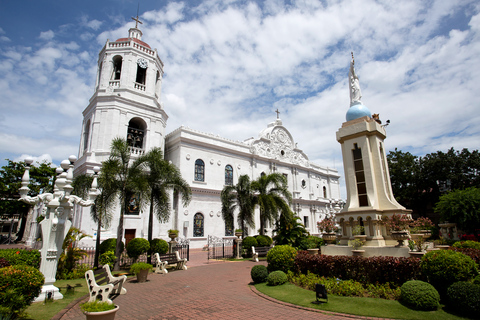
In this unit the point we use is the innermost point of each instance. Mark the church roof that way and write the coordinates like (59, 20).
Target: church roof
(135, 40)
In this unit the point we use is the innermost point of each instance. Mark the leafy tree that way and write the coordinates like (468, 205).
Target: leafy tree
(42, 178)
(461, 207)
(272, 196)
(119, 177)
(239, 197)
(289, 230)
(162, 176)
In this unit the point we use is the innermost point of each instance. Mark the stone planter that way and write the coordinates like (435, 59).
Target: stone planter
(358, 253)
(142, 275)
(172, 236)
(442, 246)
(238, 234)
(329, 237)
(361, 237)
(313, 251)
(416, 236)
(416, 254)
(400, 236)
(102, 315)
(426, 233)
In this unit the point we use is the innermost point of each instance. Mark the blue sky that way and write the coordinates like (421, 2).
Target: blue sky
(230, 64)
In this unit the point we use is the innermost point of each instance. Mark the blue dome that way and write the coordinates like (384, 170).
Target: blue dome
(357, 111)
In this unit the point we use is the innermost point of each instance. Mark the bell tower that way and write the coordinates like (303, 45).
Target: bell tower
(126, 101)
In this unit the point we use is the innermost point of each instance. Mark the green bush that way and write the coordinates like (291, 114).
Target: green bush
(20, 256)
(110, 245)
(139, 266)
(249, 242)
(467, 244)
(4, 263)
(445, 267)
(107, 258)
(19, 286)
(310, 242)
(476, 280)
(137, 247)
(464, 298)
(276, 278)
(419, 295)
(78, 272)
(281, 258)
(259, 273)
(159, 246)
(263, 241)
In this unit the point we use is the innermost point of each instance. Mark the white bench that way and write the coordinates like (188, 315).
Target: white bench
(163, 260)
(259, 251)
(101, 284)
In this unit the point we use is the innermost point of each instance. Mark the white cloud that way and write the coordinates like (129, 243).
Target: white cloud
(47, 35)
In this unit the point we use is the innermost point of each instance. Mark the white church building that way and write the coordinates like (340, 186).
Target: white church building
(126, 103)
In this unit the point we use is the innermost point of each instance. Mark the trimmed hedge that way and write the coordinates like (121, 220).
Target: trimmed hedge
(276, 278)
(137, 247)
(259, 273)
(21, 256)
(464, 298)
(419, 295)
(263, 241)
(472, 253)
(391, 270)
(109, 245)
(159, 246)
(281, 258)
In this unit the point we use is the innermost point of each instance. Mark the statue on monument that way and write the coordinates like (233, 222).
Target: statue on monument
(354, 84)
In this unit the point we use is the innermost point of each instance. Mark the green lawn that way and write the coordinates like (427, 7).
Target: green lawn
(369, 307)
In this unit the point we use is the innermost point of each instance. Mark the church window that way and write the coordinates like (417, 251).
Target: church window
(360, 176)
(304, 183)
(198, 225)
(141, 72)
(86, 134)
(117, 67)
(133, 205)
(199, 170)
(325, 192)
(228, 175)
(262, 174)
(305, 221)
(136, 133)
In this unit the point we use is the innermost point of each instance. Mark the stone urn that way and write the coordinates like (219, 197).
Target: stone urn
(426, 233)
(102, 315)
(313, 251)
(400, 236)
(416, 254)
(361, 237)
(172, 235)
(416, 236)
(358, 253)
(238, 234)
(329, 237)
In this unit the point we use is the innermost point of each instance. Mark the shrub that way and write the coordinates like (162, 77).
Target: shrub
(310, 242)
(137, 247)
(97, 306)
(281, 258)
(419, 295)
(276, 278)
(248, 242)
(20, 256)
(445, 267)
(110, 245)
(476, 280)
(158, 246)
(464, 297)
(467, 244)
(263, 241)
(139, 266)
(4, 263)
(259, 273)
(472, 253)
(107, 258)
(20, 285)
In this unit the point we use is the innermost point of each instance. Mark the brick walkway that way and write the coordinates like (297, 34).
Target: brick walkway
(207, 290)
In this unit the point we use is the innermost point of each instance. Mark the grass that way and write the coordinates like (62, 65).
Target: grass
(45, 311)
(369, 307)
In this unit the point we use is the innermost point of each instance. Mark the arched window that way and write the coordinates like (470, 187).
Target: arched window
(228, 175)
(325, 192)
(136, 133)
(86, 134)
(117, 67)
(141, 73)
(199, 170)
(198, 226)
(262, 174)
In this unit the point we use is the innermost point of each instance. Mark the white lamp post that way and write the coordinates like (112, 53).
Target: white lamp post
(57, 220)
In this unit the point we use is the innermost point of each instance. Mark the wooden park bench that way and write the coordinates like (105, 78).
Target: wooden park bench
(101, 284)
(168, 259)
(259, 251)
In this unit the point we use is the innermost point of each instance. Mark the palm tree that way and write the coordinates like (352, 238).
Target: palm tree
(119, 177)
(162, 176)
(102, 214)
(272, 196)
(239, 196)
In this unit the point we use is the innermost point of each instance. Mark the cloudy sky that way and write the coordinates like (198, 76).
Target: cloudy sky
(230, 64)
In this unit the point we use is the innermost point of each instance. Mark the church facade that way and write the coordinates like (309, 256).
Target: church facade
(126, 103)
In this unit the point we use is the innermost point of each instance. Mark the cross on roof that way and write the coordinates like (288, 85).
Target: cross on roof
(137, 21)
(278, 113)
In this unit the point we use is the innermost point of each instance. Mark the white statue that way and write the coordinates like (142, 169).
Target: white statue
(354, 85)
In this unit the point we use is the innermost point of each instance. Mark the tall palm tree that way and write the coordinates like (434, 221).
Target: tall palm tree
(123, 178)
(102, 214)
(239, 197)
(272, 197)
(162, 176)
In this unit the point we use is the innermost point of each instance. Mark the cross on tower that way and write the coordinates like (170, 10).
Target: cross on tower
(278, 113)
(137, 21)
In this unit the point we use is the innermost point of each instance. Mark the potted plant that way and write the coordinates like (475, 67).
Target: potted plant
(328, 227)
(141, 270)
(359, 233)
(422, 226)
(238, 233)
(97, 310)
(172, 234)
(399, 225)
(356, 244)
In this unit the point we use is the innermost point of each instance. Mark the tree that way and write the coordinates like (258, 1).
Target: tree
(119, 177)
(461, 207)
(239, 197)
(289, 230)
(272, 196)
(42, 178)
(162, 176)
